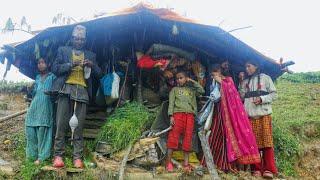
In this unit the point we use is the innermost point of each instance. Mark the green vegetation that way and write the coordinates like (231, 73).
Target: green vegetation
(125, 125)
(308, 77)
(296, 112)
(12, 87)
(30, 171)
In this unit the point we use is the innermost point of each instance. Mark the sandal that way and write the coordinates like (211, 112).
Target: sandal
(169, 167)
(58, 162)
(268, 175)
(257, 174)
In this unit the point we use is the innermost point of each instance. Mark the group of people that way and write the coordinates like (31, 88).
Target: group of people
(241, 130)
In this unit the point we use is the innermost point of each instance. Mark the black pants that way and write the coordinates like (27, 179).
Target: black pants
(64, 113)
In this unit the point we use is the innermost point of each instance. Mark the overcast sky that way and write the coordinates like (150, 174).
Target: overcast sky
(286, 28)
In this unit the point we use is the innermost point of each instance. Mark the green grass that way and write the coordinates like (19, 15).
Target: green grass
(28, 170)
(125, 125)
(294, 112)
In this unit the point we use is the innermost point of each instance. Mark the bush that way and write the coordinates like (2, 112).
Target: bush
(13, 87)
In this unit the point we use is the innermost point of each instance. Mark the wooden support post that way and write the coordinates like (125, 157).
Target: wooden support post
(124, 162)
(208, 156)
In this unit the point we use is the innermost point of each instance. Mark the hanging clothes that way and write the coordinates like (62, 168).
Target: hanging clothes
(146, 62)
(106, 83)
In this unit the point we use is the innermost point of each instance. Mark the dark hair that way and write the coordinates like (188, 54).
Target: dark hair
(255, 63)
(183, 72)
(45, 59)
(215, 68)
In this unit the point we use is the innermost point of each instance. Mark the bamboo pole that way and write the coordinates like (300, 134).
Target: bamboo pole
(12, 116)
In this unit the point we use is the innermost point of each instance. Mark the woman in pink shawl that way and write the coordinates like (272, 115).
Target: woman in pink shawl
(232, 140)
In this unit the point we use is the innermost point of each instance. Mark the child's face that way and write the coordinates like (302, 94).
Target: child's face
(42, 66)
(215, 74)
(181, 79)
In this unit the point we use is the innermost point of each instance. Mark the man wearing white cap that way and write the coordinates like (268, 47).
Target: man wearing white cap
(74, 67)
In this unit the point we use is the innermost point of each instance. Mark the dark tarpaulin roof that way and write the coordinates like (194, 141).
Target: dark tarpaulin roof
(140, 27)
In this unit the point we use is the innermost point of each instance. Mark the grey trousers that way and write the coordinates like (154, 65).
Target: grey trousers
(64, 113)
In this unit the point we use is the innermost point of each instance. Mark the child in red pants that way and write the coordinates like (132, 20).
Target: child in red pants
(182, 107)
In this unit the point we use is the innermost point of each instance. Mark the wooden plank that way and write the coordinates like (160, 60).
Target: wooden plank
(92, 124)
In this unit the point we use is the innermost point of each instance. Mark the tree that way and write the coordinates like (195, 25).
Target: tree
(12, 26)
(9, 26)
(61, 19)
(23, 23)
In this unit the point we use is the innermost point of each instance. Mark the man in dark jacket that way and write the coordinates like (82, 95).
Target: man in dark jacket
(74, 68)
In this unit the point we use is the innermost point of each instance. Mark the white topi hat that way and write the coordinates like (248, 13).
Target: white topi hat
(79, 31)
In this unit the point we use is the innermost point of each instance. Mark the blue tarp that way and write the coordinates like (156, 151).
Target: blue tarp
(126, 33)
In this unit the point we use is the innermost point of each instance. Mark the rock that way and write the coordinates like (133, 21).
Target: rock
(7, 142)
(6, 168)
(3, 162)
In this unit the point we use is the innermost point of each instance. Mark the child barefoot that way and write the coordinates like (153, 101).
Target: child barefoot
(182, 107)
(39, 117)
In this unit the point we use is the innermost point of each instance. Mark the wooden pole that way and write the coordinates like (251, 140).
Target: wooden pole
(12, 115)
(208, 156)
(124, 162)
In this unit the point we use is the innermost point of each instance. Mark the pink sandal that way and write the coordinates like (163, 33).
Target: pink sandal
(257, 174)
(169, 167)
(58, 162)
(268, 175)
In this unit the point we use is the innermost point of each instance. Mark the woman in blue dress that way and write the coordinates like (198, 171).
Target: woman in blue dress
(39, 119)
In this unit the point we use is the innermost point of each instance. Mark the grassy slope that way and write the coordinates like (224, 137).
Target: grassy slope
(296, 117)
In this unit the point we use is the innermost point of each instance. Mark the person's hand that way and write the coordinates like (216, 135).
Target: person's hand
(217, 78)
(190, 80)
(257, 101)
(168, 74)
(76, 63)
(171, 120)
(158, 64)
(88, 63)
(241, 76)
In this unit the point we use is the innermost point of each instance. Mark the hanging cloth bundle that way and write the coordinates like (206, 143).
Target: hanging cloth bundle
(110, 83)
(115, 86)
(206, 113)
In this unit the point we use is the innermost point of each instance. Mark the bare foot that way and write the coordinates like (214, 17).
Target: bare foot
(37, 162)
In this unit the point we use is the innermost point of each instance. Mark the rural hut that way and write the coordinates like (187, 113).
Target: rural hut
(116, 37)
